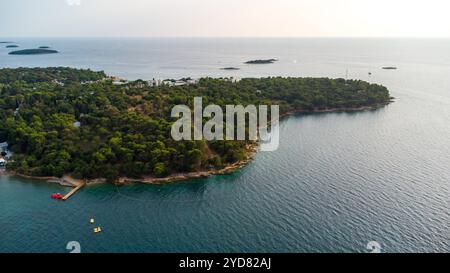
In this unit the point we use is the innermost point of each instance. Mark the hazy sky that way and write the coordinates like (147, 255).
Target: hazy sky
(223, 18)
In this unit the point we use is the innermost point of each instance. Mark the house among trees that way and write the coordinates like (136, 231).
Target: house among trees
(4, 152)
(3, 146)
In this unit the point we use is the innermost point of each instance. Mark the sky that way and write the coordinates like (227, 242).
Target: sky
(225, 18)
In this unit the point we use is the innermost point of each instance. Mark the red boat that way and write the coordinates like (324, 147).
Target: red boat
(57, 196)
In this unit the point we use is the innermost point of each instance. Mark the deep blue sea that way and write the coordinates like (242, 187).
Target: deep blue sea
(337, 182)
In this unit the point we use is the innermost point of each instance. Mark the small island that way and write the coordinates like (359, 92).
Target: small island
(265, 61)
(12, 46)
(230, 68)
(33, 52)
(64, 122)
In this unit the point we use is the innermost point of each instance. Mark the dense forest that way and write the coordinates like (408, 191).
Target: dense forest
(63, 120)
(51, 74)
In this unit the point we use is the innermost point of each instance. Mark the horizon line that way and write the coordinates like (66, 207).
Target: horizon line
(232, 37)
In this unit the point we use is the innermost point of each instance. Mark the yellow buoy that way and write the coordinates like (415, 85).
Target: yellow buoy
(97, 230)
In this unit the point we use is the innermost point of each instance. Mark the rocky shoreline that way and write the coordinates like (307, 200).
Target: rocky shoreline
(251, 152)
(65, 181)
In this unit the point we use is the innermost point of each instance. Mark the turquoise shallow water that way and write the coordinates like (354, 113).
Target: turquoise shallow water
(337, 181)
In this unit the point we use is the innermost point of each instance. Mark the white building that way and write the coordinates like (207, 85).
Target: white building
(155, 83)
(168, 83)
(3, 146)
(192, 81)
(179, 83)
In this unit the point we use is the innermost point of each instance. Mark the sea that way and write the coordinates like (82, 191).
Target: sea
(339, 182)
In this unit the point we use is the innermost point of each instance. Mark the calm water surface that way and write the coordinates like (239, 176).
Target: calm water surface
(337, 181)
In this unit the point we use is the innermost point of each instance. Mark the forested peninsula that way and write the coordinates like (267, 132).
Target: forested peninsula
(60, 121)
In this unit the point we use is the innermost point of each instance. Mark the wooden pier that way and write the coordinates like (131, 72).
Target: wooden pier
(78, 185)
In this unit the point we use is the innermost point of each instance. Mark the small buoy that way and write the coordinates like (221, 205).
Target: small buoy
(92, 220)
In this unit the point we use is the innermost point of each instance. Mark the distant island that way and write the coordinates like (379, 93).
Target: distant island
(230, 68)
(389, 67)
(44, 47)
(33, 52)
(12, 46)
(266, 61)
(6, 42)
(63, 121)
